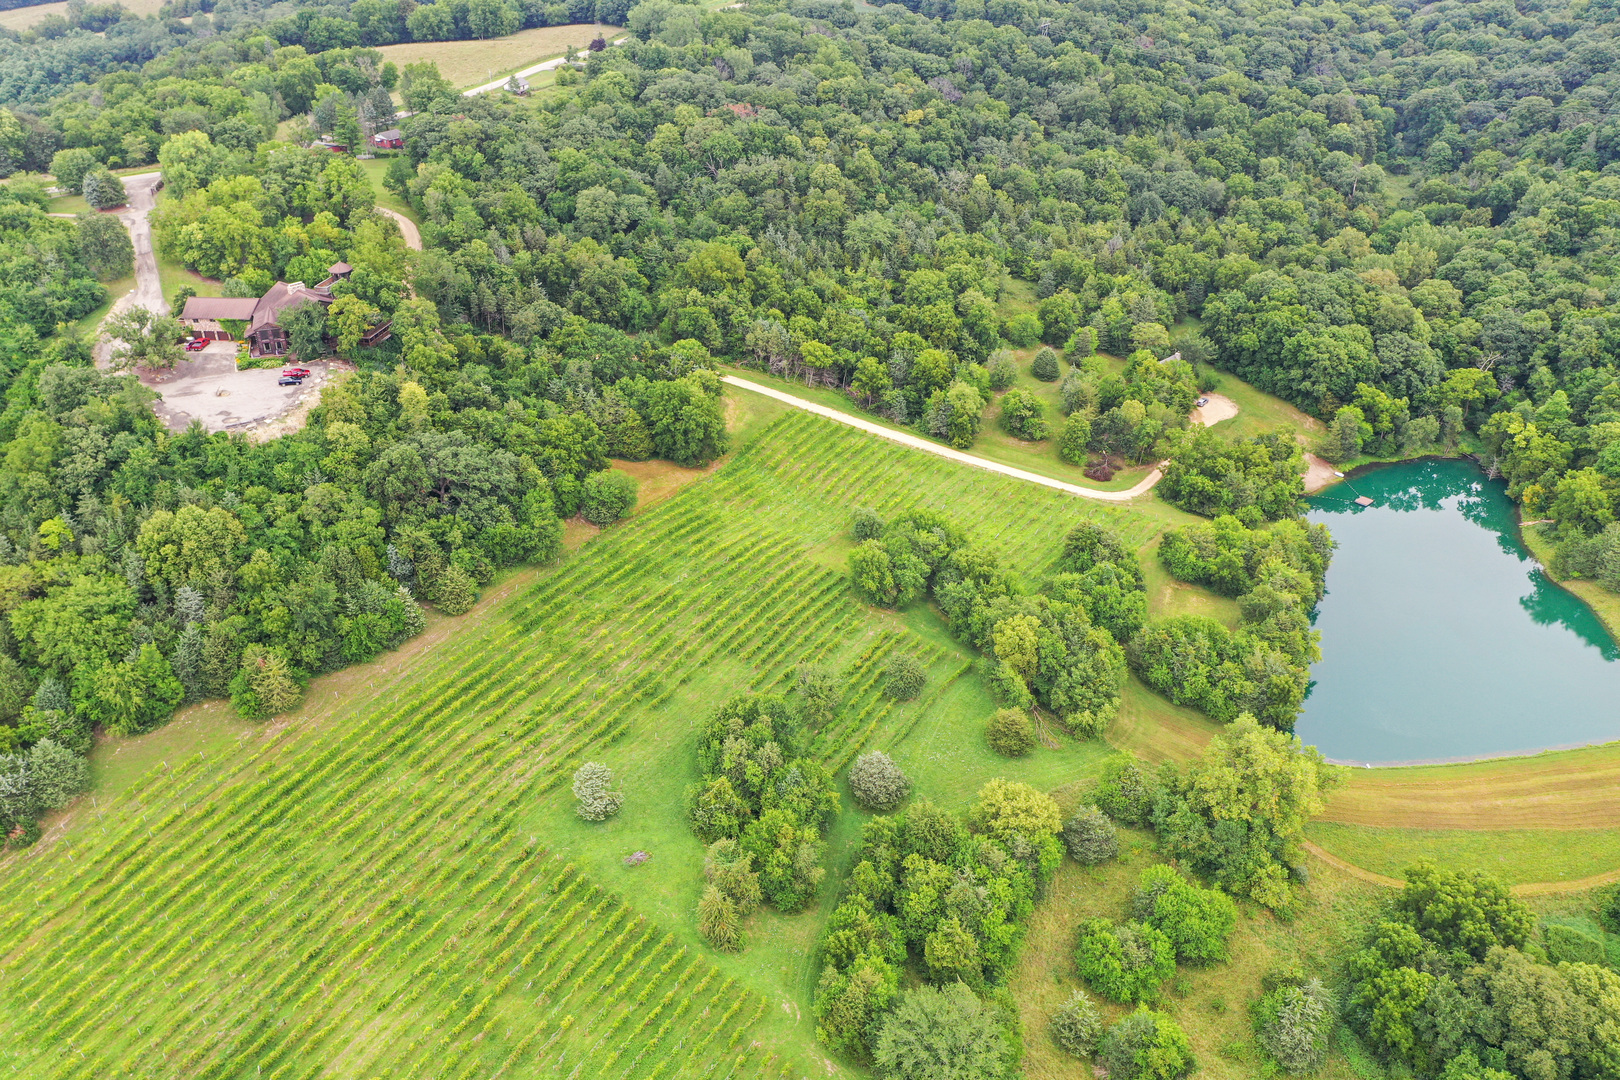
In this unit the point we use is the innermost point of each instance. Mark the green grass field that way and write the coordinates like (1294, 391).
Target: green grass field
(1517, 856)
(392, 882)
(473, 63)
(993, 444)
(398, 867)
(375, 168)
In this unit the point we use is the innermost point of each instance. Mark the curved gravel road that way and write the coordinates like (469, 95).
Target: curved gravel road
(407, 228)
(926, 446)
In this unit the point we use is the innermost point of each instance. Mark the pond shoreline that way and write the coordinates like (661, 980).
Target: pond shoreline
(1416, 638)
(1418, 763)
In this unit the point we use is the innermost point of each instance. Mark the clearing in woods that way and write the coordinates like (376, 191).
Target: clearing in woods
(392, 880)
(24, 17)
(404, 879)
(469, 63)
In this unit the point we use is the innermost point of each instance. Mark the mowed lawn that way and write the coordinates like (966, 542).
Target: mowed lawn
(472, 63)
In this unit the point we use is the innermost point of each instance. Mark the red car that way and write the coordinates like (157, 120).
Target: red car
(196, 344)
(295, 372)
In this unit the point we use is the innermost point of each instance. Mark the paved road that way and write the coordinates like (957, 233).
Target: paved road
(917, 443)
(548, 65)
(148, 290)
(407, 228)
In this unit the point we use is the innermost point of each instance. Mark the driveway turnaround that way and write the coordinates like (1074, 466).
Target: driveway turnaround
(916, 443)
(206, 386)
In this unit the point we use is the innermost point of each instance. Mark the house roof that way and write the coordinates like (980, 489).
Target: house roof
(283, 295)
(391, 133)
(219, 307)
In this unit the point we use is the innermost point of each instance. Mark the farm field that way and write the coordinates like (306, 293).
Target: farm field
(993, 444)
(471, 63)
(402, 856)
(24, 17)
(409, 861)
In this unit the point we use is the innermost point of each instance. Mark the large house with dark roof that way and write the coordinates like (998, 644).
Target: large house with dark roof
(203, 315)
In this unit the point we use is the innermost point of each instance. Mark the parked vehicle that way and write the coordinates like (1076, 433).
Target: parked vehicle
(1202, 402)
(290, 380)
(296, 372)
(196, 344)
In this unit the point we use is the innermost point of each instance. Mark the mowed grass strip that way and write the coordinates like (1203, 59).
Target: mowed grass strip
(1517, 856)
(1559, 789)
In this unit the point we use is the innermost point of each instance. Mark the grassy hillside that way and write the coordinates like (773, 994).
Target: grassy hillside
(392, 881)
(473, 63)
(399, 869)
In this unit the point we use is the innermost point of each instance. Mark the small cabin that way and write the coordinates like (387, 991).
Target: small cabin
(392, 139)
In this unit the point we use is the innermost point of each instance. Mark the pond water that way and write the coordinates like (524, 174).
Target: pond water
(1441, 637)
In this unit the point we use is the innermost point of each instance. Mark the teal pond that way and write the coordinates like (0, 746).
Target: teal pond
(1442, 639)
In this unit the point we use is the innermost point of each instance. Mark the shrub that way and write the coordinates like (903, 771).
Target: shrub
(1077, 1025)
(1147, 1045)
(878, 783)
(1045, 367)
(1124, 962)
(849, 1002)
(1007, 808)
(264, 685)
(1611, 903)
(866, 524)
(593, 788)
(56, 773)
(940, 1034)
(732, 872)
(717, 920)
(454, 590)
(609, 495)
(1127, 790)
(1081, 344)
(1074, 444)
(1010, 733)
(904, 678)
(102, 190)
(1003, 372)
(1293, 1024)
(1463, 910)
(1023, 330)
(1090, 836)
(1021, 415)
(1571, 944)
(1197, 921)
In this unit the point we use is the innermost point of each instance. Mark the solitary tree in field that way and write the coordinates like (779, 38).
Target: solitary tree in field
(593, 787)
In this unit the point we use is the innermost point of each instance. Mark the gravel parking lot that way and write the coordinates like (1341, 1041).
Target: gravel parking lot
(206, 386)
